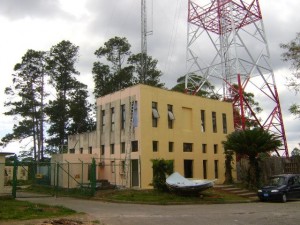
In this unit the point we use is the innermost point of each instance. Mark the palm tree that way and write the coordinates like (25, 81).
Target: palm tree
(251, 143)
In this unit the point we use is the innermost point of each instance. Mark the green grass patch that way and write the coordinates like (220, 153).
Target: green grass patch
(11, 209)
(211, 196)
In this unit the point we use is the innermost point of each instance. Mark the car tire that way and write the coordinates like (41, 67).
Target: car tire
(283, 198)
(262, 199)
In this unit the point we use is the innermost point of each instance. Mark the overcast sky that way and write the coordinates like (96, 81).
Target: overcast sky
(40, 24)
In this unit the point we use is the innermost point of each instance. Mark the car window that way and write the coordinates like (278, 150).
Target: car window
(277, 181)
(291, 181)
(297, 180)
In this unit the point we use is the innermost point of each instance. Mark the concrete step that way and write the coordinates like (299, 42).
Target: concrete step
(247, 194)
(231, 189)
(238, 191)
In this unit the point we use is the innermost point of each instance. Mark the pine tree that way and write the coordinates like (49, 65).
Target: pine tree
(151, 76)
(69, 111)
(27, 105)
(115, 76)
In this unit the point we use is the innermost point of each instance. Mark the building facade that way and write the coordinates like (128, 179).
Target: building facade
(142, 123)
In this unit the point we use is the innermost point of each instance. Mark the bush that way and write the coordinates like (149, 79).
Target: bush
(161, 168)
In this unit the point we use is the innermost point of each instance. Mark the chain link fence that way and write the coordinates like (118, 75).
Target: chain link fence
(33, 179)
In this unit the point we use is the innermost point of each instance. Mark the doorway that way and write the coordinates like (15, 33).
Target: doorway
(135, 173)
(188, 168)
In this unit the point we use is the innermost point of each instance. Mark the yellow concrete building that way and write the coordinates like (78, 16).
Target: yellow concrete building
(141, 123)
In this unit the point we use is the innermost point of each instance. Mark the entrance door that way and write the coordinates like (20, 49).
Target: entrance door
(134, 172)
(188, 168)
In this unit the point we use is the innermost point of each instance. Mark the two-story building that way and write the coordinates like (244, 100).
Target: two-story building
(141, 123)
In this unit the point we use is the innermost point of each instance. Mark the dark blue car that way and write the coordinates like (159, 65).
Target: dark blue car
(281, 188)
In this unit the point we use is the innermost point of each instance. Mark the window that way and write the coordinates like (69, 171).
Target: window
(123, 116)
(214, 122)
(102, 120)
(134, 146)
(112, 111)
(155, 114)
(170, 116)
(90, 150)
(155, 146)
(187, 147)
(123, 147)
(205, 169)
(202, 120)
(72, 150)
(122, 167)
(81, 150)
(204, 147)
(171, 146)
(112, 149)
(224, 123)
(112, 164)
(102, 149)
(216, 169)
(215, 148)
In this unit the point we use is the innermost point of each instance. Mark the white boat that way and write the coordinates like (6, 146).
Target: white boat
(181, 185)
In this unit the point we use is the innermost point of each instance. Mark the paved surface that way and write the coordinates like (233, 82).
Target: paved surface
(231, 214)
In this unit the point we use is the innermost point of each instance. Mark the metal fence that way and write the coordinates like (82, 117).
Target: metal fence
(28, 179)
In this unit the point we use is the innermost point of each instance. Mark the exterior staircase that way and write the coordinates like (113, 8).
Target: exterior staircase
(237, 191)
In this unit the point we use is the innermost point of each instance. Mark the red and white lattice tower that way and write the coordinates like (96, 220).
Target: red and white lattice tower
(227, 47)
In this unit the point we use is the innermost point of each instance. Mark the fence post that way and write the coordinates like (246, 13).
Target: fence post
(57, 179)
(93, 177)
(14, 183)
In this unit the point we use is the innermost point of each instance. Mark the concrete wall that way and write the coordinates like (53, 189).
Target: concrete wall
(186, 129)
(2, 166)
(70, 170)
(22, 172)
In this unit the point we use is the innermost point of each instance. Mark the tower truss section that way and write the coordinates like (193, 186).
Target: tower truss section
(227, 47)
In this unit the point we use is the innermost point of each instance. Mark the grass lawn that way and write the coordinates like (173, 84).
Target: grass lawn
(11, 209)
(211, 196)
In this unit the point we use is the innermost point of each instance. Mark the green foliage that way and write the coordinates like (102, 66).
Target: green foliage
(292, 54)
(26, 101)
(118, 68)
(69, 111)
(22, 210)
(295, 110)
(251, 143)
(151, 76)
(295, 152)
(206, 91)
(112, 78)
(228, 166)
(210, 196)
(161, 168)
